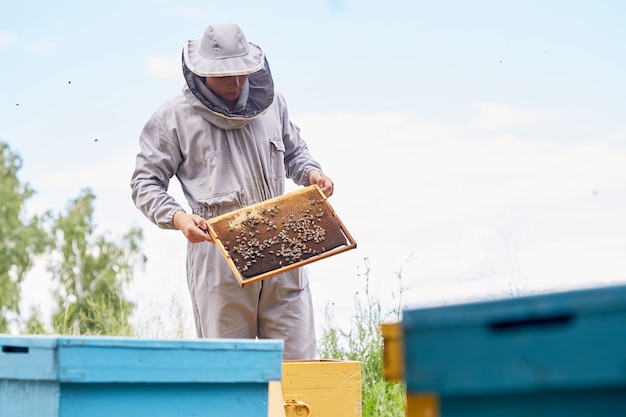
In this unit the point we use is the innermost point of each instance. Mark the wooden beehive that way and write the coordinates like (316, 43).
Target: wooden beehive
(540, 355)
(279, 234)
(104, 376)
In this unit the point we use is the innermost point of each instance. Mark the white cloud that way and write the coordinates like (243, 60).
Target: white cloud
(455, 199)
(164, 67)
(44, 47)
(619, 136)
(6, 39)
(484, 217)
(491, 116)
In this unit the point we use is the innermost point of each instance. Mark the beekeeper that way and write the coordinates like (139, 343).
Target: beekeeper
(229, 141)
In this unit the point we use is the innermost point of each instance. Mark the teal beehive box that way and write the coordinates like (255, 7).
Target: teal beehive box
(44, 376)
(559, 354)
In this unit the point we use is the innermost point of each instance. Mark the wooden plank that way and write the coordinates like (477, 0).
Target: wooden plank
(393, 352)
(423, 404)
(163, 400)
(20, 398)
(276, 407)
(112, 359)
(327, 387)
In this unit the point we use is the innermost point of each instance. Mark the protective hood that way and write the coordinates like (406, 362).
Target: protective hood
(256, 97)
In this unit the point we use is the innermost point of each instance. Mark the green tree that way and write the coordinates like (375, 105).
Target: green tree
(90, 272)
(22, 238)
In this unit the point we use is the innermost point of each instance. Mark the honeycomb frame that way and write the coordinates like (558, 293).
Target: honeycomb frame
(280, 234)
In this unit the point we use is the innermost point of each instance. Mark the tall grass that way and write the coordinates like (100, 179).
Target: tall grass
(94, 319)
(362, 341)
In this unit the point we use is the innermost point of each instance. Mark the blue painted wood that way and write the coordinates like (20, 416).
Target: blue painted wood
(164, 400)
(590, 402)
(53, 376)
(28, 358)
(29, 398)
(517, 354)
(169, 361)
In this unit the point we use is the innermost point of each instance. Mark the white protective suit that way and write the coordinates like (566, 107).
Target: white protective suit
(224, 161)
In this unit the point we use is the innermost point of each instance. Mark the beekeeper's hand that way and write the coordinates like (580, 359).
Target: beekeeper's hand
(322, 181)
(193, 227)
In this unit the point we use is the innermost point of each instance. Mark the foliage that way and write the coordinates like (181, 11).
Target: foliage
(363, 342)
(21, 238)
(35, 323)
(90, 272)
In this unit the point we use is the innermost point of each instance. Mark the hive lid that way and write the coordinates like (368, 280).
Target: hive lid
(550, 307)
(117, 359)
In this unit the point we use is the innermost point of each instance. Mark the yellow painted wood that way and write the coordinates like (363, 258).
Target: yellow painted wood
(275, 401)
(422, 405)
(329, 388)
(393, 352)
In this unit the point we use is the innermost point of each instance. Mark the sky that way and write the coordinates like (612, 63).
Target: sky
(478, 148)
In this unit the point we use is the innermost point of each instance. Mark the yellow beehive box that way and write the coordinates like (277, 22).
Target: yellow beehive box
(324, 388)
(393, 352)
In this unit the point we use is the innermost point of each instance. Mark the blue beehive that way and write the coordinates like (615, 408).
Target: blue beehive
(559, 354)
(107, 376)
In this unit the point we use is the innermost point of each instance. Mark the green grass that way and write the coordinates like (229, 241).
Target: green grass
(362, 341)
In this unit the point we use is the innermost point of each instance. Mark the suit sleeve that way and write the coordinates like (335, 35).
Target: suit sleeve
(156, 163)
(298, 159)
